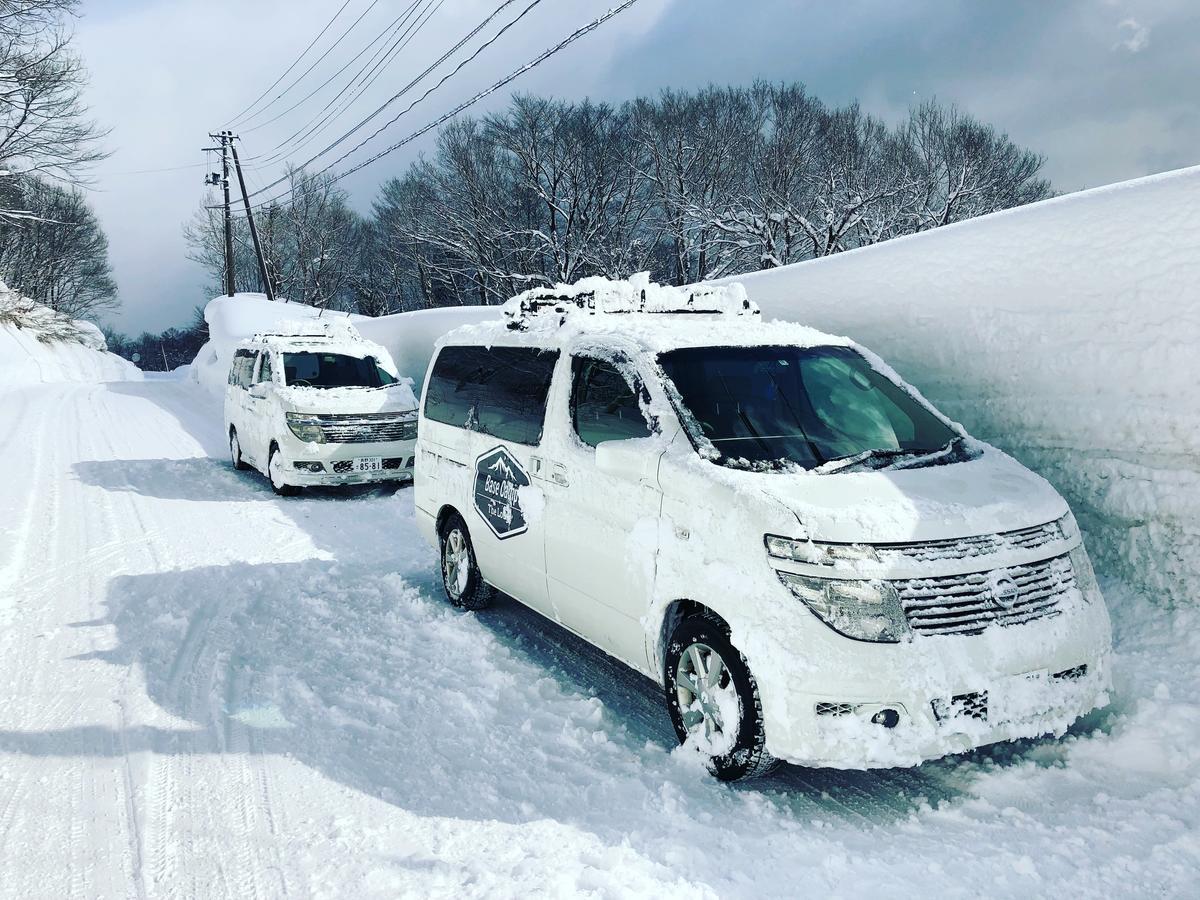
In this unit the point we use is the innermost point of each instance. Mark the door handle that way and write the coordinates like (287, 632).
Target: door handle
(545, 470)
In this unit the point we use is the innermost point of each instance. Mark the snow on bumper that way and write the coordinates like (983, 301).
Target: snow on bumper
(826, 706)
(337, 462)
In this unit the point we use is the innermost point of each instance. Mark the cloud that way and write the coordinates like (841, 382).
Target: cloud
(165, 72)
(1138, 36)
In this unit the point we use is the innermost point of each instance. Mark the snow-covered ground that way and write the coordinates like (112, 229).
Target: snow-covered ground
(213, 692)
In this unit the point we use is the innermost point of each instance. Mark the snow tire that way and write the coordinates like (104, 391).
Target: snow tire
(235, 451)
(283, 490)
(461, 578)
(748, 758)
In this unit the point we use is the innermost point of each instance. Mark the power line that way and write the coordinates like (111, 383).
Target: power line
(533, 63)
(442, 81)
(373, 69)
(295, 63)
(306, 72)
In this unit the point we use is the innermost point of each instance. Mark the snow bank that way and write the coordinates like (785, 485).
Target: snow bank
(408, 337)
(1065, 332)
(238, 318)
(37, 345)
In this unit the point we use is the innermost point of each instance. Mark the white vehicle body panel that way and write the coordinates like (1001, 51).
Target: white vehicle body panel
(620, 552)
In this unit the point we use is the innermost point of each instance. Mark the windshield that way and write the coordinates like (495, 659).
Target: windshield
(772, 407)
(334, 370)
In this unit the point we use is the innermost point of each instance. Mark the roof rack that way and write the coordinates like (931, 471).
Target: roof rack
(659, 300)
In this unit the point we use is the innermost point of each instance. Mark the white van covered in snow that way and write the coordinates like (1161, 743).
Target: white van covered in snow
(815, 564)
(319, 405)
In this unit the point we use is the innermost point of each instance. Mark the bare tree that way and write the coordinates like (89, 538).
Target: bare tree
(45, 128)
(964, 168)
(57, 255)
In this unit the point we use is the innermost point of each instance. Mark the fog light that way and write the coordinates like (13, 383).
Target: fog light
(888, 718)
(309, 466)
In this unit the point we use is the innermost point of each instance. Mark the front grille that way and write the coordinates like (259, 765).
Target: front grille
(967, 604)
(980, 545)
(973, 705)
(367, 428)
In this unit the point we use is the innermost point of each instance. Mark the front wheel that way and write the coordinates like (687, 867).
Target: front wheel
(461, 578)
(275, 473)
(713, 700)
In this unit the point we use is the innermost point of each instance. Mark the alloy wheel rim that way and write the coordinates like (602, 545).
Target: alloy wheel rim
(235, 449)
(456, 563)
(703, 685)
(276, 471)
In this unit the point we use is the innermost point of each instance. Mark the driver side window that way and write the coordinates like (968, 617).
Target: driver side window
(604, 406)
(264, 371)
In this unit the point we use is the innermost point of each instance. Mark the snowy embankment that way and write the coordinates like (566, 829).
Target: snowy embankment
(37, 345)
(1065, 332)
(408, 337)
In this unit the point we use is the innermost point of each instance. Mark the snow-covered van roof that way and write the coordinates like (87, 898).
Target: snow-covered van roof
(638, 313)
(336, 336)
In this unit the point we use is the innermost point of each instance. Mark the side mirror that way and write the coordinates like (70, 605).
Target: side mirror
(635, 459)
(259, 391)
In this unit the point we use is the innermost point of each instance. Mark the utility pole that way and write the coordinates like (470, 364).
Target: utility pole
(262, 262)
(224, 138)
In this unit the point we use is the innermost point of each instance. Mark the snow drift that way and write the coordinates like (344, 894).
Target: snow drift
(38, 345)
(408, 337)
(237, 318)
(1065, 332)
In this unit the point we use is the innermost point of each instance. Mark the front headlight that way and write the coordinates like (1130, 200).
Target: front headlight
(817, 553)
(863, 610)
(1068, 526)
(305, 427)
(1085, 575)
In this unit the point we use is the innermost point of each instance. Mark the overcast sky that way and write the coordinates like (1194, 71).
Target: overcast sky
(1105, 89)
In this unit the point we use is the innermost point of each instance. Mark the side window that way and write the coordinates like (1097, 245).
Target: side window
(264, 373)
(243, 368)
(512, 404)
(604, 406)
(453, 386)
(499, 391)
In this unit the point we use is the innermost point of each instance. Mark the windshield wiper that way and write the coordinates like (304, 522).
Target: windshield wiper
(878, 459)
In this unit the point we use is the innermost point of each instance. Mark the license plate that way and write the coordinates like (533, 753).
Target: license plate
(1019, 697)
(368, 464)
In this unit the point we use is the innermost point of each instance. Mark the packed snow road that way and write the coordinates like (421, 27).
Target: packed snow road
(210, 691)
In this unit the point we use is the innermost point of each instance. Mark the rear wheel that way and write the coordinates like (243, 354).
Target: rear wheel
(275, 473)
(461, 578)
(713, 700)
(235, 450)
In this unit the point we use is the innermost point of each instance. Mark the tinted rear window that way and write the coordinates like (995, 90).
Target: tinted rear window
(499, 391)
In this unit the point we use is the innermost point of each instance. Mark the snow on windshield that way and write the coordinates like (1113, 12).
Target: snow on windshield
(790, 406)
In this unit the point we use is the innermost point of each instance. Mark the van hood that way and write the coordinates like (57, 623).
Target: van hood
(989, 494)
(395, 398)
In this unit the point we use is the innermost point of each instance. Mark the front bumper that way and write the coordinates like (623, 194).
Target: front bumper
(337, 460)
(951, 693)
